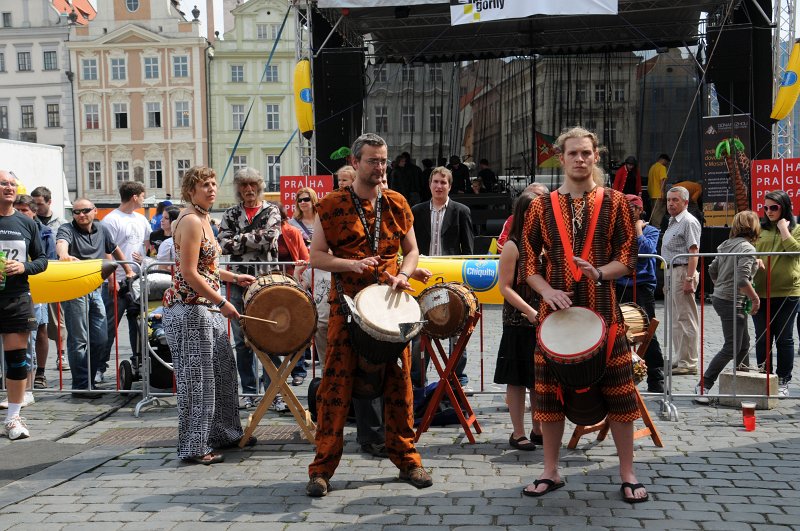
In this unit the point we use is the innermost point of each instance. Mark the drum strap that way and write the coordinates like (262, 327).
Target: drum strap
(569, 252)
(375, 239)
(612, 337)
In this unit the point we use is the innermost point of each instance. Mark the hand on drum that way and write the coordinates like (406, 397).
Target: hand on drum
(229, 311)
(557, 299)
(360, 266)
(245, 280)
(399, 282)
(422, 274)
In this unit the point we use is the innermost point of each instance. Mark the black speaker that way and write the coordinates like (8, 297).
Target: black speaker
(338, 94)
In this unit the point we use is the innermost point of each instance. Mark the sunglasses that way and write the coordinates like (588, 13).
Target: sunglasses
(79, 211)
(303, 199)
(771, 208)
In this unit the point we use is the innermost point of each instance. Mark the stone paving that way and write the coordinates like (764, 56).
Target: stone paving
(711, 474)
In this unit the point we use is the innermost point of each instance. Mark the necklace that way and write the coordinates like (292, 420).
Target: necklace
(200, 209)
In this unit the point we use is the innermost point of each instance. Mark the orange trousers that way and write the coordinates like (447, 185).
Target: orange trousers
(333, 403)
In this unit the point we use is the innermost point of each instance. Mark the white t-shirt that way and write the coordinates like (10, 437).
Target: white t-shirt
(129, 232)
(166, 251)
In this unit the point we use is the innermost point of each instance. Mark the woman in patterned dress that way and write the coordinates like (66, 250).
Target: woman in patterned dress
(205, 370)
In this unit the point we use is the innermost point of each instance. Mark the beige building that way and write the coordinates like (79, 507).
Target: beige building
(140, 97)
(238, 78)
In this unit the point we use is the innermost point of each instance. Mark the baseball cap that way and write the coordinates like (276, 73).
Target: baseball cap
(634, 200)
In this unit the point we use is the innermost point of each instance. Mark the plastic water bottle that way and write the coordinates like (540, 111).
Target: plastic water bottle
(2, 270)
(747, 306)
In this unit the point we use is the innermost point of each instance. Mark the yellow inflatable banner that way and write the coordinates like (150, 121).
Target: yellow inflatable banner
(480, 273)
(63, 281)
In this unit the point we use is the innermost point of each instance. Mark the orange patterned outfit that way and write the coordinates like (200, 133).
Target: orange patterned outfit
(345, 236)
(615, 239)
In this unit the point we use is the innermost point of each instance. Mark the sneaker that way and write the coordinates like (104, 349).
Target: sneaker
(417, 476)
(317, 487)
(62, 363)
(783, 388)
(704, 398)
(375, 449)
(469, 391)
(26, 401)
(682, 371)
(247, 402)
(40, 382)
(278, 405)
(16, 428)
(99, 377)
(298, 380)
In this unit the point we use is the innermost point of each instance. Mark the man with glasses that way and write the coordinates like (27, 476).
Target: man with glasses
(85, 317)
(43, 198)
(680, 282)
(249, 233)
(24, 256)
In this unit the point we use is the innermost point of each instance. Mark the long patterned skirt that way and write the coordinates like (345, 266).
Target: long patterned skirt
(205, 374)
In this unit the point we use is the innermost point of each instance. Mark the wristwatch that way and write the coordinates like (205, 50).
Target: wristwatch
(599, 281)
(221, 303)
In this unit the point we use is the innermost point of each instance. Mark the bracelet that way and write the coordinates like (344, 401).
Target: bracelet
(599, 275)
(221, 303)
(235, 278)
(405, 274)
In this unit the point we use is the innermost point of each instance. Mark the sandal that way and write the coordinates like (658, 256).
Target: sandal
(633, 487)
(235, 444)
(551, 486)
(208, 459)
(536, 438)
(521, 443)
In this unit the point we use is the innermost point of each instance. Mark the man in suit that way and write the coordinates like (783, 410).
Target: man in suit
(443, 227)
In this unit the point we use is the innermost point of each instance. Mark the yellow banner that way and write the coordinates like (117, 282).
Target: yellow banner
(480, 273)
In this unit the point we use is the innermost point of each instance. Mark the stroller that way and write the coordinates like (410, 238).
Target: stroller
(160, 358)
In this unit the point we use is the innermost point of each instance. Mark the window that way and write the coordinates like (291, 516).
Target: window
(273, 173)
(3, 118)
(408, 74)
(436, 118)
(435, 74)
(180, 66)
(273, 117)
(93, 175)
(132, 5)
(53, 115)
(151, 68)
(612, 132)
(122, 171)
(275, 30)
(271, 74)
(183, 167)
(237, 73)
(381, 119)
(599, 93)
(619, 93)
(2, 62)
(27, 116)
(24, 61)
(118, 70)
(156, 174)
(50, 60)
(262, 32)
(92, 113)
(407, 119)
(153, 114)
(239, 162)
(237, 116)
(89, 67)
(181, 114)
(6, 20)
(380, 74)
(120, 115)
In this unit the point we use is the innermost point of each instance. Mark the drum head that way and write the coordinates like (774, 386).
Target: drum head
(296, 316)
(571, 332)
(384, 309)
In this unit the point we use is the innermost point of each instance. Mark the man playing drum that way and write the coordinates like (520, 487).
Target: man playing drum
(590, 242)
(347, 229)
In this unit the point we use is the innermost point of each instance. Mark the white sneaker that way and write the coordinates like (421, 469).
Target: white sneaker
(468, 391)
(783, 389)
(16, 428)
(99, 377)
(26, 401)
(279, 405)
(701, 399)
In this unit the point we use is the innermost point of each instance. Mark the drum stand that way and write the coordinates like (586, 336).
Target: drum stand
(448, 382)
(649, 430)
(278, 376)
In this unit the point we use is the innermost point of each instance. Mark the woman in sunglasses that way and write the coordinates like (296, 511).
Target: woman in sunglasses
(779, 233)
(304, 212)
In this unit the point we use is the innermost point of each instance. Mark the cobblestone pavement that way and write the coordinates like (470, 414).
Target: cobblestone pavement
(710, 474)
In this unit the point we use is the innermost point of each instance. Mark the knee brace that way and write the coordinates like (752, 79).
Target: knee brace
(16, 364)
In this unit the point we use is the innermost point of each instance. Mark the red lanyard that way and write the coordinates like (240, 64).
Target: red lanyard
(569, 253)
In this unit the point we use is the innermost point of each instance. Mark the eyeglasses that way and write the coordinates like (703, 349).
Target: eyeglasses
(249, 184)
(79, 211)
(771, 208)
(303, 199)
(8, 184)
(377, 162)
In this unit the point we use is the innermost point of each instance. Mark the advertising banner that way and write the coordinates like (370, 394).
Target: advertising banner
(471, 11)
(775, 174)
(726, 167)
(290, 184)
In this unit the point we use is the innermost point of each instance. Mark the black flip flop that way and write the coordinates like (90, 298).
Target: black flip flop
(633, 487)
(521, 443)
(551, 486)
(208, 459)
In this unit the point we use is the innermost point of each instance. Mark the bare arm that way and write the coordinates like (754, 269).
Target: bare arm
(410, 260)
(119, 255)
(322, 259)
(507, 266)
(62, 251)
